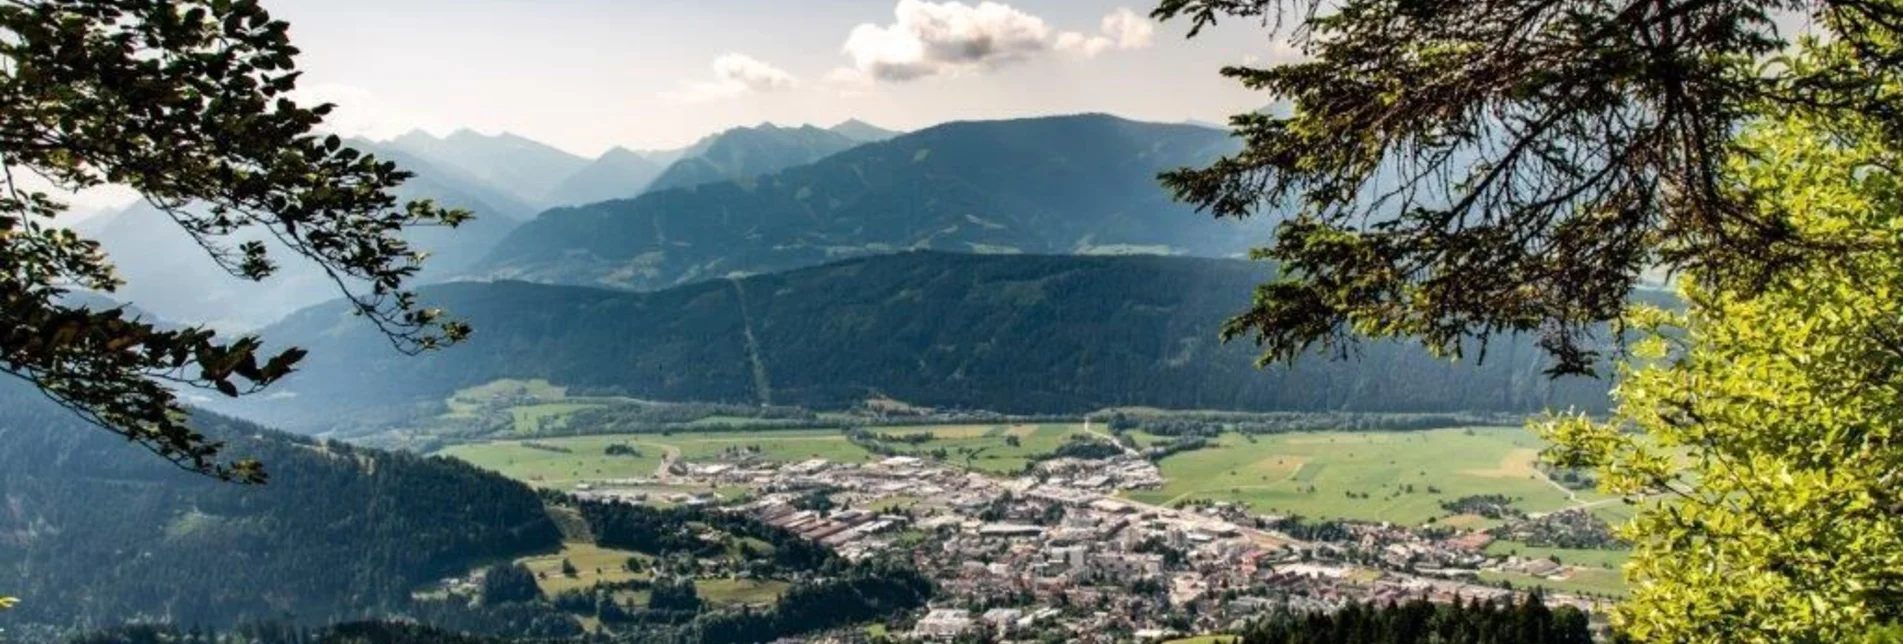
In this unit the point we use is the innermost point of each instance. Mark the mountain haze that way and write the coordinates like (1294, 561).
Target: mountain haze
(862, 131)
(528, 169)
(1075, 184)
(1024, 334)
(167, 273)
(744, 153)
(618, 174)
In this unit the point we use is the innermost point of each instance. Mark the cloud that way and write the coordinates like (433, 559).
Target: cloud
(932, 38)
(1129, 30)
(1122, 29)
(735, 74)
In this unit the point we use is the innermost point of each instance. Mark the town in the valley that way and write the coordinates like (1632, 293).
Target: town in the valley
(1060, 546)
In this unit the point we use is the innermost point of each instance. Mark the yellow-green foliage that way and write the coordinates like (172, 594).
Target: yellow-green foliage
(1764, 419)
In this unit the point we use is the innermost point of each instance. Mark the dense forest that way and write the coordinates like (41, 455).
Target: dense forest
(93, 535)
(1423, 622)
(1069, 184)
(1020, 334)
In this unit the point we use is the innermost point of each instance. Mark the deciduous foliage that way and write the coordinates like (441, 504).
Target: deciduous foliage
(1764, 420)
(186, 102)
(1469, 168)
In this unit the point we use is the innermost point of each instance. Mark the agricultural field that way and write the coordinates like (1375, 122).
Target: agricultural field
(592, 563)
(563, 462)
(1585, 581)
(1609, 559)
(988, 448)
(1398, 477)
(731, 592)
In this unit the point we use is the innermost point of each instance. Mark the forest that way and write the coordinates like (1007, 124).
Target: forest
(90, 538)
(1016, 334)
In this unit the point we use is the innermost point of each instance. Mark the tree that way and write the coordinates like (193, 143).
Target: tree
(188, 103)
(1760, 425)
(1461, 169)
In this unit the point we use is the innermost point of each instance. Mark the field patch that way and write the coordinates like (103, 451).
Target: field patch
(593, 564)
(566, 461)
(1399, 477)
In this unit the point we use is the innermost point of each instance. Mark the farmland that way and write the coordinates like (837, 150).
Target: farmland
(997, 449)
(563, 462)
(1398, 477)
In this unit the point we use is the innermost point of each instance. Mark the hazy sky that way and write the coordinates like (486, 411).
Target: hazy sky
(585, 75)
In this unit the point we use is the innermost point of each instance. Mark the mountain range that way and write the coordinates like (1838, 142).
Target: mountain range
(1081, 184)
(1024, 334)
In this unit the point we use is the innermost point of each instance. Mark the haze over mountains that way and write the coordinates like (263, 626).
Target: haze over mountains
(1018, 334)
(1076, 184)
(1062, 330)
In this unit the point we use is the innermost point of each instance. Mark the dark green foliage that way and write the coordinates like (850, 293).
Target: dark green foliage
(92, 537)
(509, 584)
(674, 595)
(1423, 622)
(1472, 168)
(865, 594)
(1048, 185)
(667, 531)
(1022, 334)
(379, 632)
(185, 102)
(1087, 448)
(622, 449)
(1492, 506)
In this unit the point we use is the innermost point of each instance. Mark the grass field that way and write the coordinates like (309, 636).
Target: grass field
(592, 563)
(587, 460)
(989, 446)
(731, 592)
(1399, 477)
(1610, 559)
(1591, 581)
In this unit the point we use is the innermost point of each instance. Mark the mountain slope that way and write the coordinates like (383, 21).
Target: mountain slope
(168, 274)
(96, 532)
(618, 174)
(528, 169)
(1026, 334)
(862, 131)
(1074, 184)
(747, 152)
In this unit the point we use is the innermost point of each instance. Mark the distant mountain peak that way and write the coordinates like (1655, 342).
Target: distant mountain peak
(862, 131)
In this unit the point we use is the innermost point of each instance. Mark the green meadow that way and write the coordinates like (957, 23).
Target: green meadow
(1398, 477)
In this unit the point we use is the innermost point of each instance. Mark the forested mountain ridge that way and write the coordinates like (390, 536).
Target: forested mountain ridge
(1070, 184)
(1023, 334)
(91, 535)
(747, 152)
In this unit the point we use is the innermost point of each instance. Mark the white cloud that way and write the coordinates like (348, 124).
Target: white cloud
(1129, 30)
(735, 74)
(1122, 29)
(931, 38)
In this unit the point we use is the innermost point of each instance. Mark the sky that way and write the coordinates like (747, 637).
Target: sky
(587, 75)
